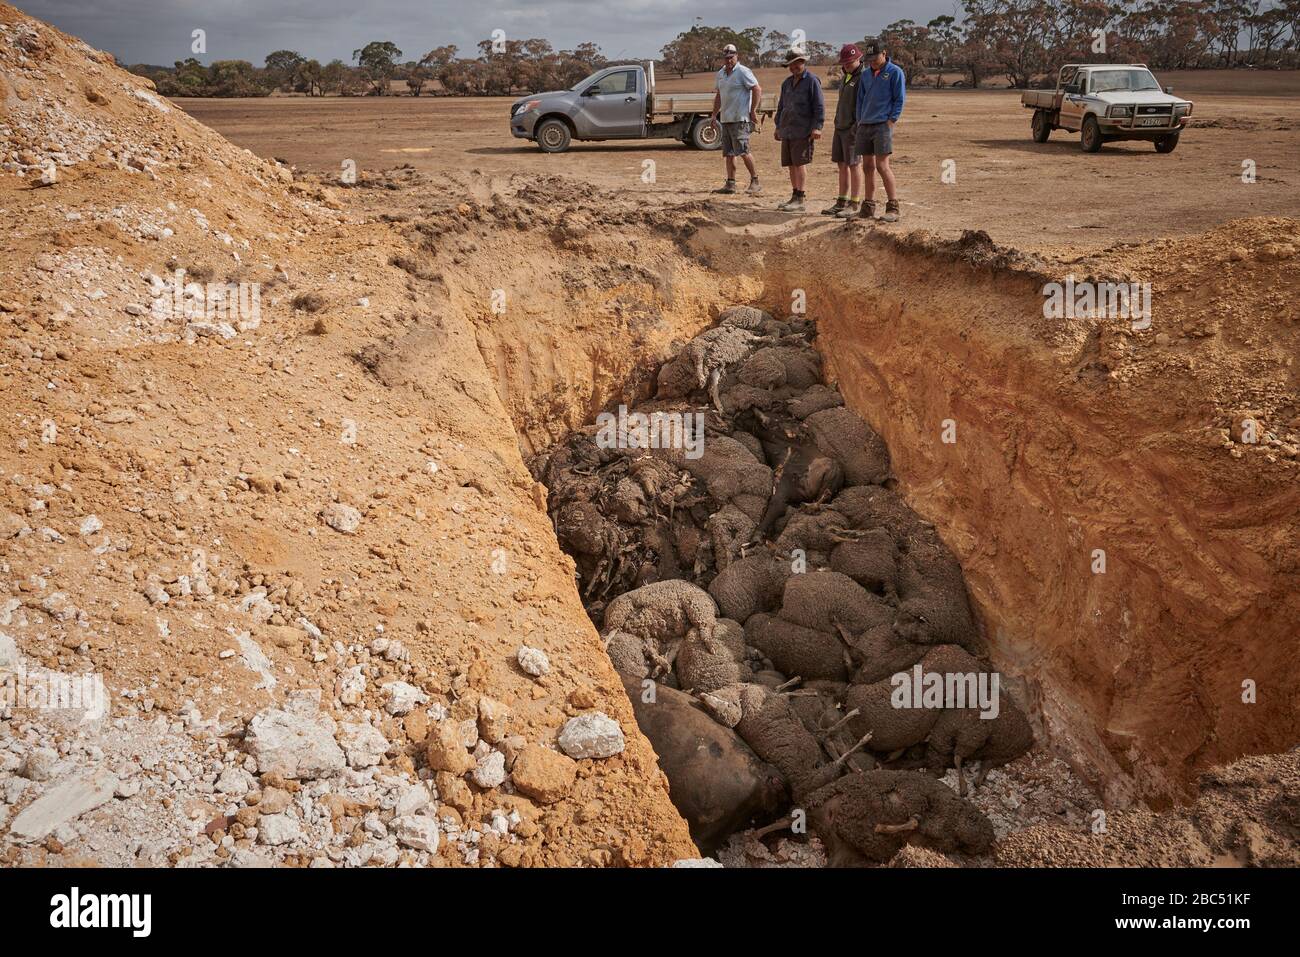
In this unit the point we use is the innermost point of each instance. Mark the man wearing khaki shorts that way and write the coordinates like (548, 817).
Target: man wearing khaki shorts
(735, 102)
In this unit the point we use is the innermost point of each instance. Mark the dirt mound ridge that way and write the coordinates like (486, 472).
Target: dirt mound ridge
(215, 510)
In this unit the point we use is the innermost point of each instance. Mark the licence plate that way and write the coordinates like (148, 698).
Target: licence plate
(1153, 121)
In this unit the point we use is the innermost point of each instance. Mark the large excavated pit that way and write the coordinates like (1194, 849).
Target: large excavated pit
(1124, 579)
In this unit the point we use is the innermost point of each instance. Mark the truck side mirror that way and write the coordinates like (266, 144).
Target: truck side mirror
(1169, 90)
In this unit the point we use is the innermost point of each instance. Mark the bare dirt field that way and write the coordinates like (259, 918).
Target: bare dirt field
(1022, 193)
(306, 478)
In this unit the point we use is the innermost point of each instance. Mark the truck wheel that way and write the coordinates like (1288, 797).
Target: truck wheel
(706, 136)
(553, 136)
(1041, 126)
(1090, 135)
(1167, 144)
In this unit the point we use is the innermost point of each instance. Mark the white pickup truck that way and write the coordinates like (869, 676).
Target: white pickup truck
(619, 103)
(1108, 101)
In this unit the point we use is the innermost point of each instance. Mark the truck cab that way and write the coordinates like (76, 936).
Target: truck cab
(1104, 102)
(617, 102)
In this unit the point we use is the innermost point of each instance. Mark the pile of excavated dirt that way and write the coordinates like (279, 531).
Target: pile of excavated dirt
(262, 460)
(330, 622)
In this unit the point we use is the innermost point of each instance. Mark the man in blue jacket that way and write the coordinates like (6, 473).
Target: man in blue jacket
(800, 115)
(880, 103)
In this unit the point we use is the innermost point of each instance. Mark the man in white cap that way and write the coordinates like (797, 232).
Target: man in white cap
(735, 103)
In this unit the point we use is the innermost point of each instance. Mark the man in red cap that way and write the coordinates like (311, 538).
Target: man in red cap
(843, 146)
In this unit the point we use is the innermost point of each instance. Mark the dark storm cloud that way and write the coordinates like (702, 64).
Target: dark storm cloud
(159, 31)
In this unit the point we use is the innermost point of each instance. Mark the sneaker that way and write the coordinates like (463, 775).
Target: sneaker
(892, 212)
(728, 187)
(868, 210)
(754, 188)
(849, 211)
(840, 203)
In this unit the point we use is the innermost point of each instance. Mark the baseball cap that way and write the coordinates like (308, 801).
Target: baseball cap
(849, 53)
(872, 48)
(729, 49)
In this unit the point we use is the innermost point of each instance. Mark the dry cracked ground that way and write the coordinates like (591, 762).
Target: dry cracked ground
(267, 506)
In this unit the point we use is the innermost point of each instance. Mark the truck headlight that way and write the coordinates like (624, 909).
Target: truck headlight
(1120, 111)
(1183, 109)
(523, 108)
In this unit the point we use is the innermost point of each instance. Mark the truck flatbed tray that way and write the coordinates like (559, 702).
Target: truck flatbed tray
(676, 103)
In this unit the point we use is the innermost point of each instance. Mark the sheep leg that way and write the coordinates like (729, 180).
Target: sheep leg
(911, 825)
(715, 376)
(782, 825)
(842, 722)
(961, 781)
(700, 377)
(788, 684)
(862, 743)
(985, 768)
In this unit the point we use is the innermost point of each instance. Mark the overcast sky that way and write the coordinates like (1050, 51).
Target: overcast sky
(159, 31)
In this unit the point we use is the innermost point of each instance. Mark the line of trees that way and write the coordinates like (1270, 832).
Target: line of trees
(1024, 41)
(1021, 41)
(501, 67)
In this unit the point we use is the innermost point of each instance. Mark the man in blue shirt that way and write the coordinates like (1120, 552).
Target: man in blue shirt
(735, 101)
(800, 114)
(881, 92)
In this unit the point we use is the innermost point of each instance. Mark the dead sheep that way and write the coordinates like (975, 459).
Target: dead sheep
(796, 650)
(933, 605)
(763, 370)
(815, 533)
(894, 728)
(709, 662)
(879, 652)
(871, 560)
(704, 360)
(731, 473)
(842, 434)
(866, 818)
(755, 320)
(776, 734)
(814, 399)
(827, 600)
(963, 735)
(772, 367)
(714, 779)
(661, 614)
(729, 529)
(749, 585)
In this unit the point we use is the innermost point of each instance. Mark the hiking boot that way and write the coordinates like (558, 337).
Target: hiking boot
(892, 213)
(793, 205)
(840, 203)
(754, 188)
(727, 188)
(867, 210)
(849, 211)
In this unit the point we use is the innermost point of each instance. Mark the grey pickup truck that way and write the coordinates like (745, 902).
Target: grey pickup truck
(619, 103)
(1108, 101)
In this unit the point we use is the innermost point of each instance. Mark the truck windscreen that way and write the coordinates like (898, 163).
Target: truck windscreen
(1120, 81)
